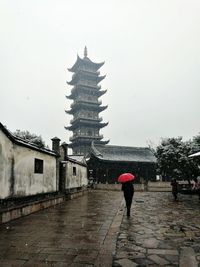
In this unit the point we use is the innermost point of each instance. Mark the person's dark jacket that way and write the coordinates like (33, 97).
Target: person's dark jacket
(128, 192)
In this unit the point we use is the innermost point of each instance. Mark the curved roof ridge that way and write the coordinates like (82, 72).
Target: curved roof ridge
(128, 147)
(96, 151)
(85, 59)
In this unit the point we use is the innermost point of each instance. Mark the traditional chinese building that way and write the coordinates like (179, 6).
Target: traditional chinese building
(86, 122)
(108, 162)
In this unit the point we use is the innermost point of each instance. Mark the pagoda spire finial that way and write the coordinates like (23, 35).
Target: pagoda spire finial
(85, 51)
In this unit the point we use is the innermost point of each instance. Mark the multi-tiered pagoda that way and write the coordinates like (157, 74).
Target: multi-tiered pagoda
(86, 105)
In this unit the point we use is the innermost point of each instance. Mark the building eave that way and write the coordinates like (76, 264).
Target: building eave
(122, 161)
(74, 161)
(85, 60)
(21, 142)
(96, 124)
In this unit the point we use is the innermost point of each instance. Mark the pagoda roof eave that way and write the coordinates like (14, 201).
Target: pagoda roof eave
(78, 60)
(100, 78)
(100, 142)
(100, 93)
(104, 124)
(96, 91)
(71, 82)
(69, 111)
(74, 79)
(90, 124)
(86, 60)
(96, 108)
(67, 128)
(102, 108)
(69, 96)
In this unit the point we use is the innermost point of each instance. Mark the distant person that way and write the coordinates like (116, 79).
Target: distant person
(128, 189)
(174, 185)
(196, 186)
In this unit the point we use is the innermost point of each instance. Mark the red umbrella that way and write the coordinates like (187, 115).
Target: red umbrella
(126, 177)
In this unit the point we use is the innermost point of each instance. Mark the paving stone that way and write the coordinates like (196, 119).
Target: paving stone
(136, 255)
(59, 264)
(187, 257)
(172, 258)
(36, 263)
(13, 263)
(163, 251)
(143, 262)
(150, 243)
(131, 247)
(53, 251)
(126, 263)
(84, 259)
(60, 258)
(81, 265)
(158, 260)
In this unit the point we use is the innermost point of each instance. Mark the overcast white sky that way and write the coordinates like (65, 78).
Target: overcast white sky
(151, 50)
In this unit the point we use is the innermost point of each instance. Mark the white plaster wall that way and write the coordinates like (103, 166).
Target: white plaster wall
(26, 181)
(6, 152)
(72, 181)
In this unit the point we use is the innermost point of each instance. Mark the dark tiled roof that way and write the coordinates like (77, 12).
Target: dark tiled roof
(80, 61)
(78, 159)
(123, 153)
(19, 141)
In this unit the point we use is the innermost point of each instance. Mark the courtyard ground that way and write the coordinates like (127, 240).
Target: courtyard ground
(93, 230)
(160, 232)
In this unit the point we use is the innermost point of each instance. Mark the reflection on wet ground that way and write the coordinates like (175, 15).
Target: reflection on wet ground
(75, 233)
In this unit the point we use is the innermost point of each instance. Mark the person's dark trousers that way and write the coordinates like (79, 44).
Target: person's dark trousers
(175, 195)
(128, 205)
(128, 210)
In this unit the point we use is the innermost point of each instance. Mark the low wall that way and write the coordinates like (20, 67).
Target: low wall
(117, 187)
(17, 211)
(151, 186)
(75, 194)
(159, 187)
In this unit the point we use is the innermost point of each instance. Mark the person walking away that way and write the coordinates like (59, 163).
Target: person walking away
(128, 190)
(196, 186)
(174, 185)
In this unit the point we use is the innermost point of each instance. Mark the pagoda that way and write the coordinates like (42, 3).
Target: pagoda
(86, 105)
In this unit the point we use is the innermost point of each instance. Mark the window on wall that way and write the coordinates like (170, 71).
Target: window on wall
(38, 166)
(74, 171)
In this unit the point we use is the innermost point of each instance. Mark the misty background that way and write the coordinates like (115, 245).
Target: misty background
(151, 50)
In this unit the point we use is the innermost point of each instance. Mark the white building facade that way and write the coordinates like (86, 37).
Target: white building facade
(24, 168)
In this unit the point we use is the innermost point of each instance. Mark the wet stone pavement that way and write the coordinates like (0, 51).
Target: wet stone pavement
(79, 232)
(160, 232)
(93, 230)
